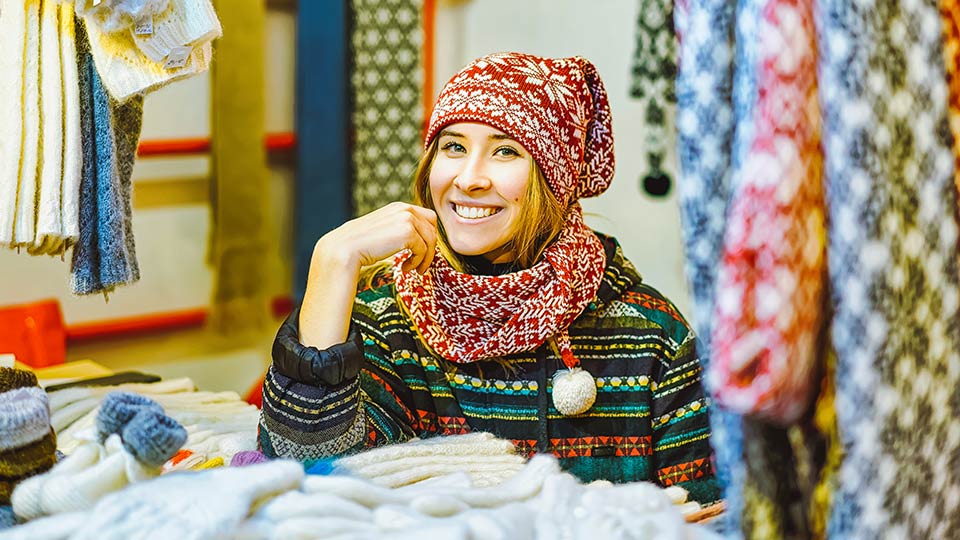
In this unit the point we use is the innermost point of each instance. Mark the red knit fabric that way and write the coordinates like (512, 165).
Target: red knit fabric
(465, 318)
(770, 284)
(557, 108)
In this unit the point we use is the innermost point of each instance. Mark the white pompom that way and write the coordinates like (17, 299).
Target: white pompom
(574, 391)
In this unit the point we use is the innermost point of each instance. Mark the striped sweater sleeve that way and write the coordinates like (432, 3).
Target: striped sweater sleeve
(321, 404)
(681, 428)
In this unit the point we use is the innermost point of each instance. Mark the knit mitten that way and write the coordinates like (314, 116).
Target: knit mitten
(153, 438)
(119, 15)
(127, 72)
(187, 506)
(87, 475)
(185, 23)
(118, 408)
(27, 444)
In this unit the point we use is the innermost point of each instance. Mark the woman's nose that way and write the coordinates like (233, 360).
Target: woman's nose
(473, 177)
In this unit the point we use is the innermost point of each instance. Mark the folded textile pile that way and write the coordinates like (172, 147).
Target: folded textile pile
(277, 500)
(218, 424)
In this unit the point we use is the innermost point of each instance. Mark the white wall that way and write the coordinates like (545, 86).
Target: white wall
(602, 31)
(172, 241)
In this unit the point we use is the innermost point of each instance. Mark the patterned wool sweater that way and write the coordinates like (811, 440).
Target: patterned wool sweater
(383, 385)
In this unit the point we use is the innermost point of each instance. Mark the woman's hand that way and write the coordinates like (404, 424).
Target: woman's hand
(380, 234)
(339, 255)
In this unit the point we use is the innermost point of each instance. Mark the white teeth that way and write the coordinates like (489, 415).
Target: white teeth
(473, 212)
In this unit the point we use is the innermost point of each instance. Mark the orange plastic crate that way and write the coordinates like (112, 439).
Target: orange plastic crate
(34, 333)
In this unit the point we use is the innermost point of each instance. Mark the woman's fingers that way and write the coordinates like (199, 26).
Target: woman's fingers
(418, 246)
(384, 232)
(426, 227)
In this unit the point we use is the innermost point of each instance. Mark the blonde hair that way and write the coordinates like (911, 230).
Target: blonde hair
(540, 223)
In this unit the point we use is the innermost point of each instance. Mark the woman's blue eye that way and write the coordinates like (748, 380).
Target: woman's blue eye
(456, 147)
(507, 151)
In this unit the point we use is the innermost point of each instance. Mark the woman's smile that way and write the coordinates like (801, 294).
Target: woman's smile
(475, 213)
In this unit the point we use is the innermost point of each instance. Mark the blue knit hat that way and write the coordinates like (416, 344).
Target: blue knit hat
(118, 408)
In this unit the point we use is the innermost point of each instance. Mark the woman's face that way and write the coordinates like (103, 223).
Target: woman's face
(477, 182)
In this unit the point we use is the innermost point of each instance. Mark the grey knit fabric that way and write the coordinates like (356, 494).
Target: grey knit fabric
(893, 269)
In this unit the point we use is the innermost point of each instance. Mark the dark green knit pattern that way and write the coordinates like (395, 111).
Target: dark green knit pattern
(649, 421)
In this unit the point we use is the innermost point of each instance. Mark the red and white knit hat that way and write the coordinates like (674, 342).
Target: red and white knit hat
(557, 108)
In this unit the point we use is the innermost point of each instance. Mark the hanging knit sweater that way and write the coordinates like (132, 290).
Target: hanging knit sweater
(649, 422)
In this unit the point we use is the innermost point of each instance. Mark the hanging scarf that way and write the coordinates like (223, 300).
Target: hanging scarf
(950, 13)
(770, 284)
(466, 318)
(705, 130)
(654, 71)
(892, 249)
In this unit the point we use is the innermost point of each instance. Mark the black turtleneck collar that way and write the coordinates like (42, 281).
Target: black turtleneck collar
(479, 265)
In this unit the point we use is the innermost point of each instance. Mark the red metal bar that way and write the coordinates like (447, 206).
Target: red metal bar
(156, 322)
(143, 324)
(274, 142)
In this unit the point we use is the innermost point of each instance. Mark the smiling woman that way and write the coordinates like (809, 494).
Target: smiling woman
(497, 309)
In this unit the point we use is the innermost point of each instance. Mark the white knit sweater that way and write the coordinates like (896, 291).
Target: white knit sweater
(12, 36)
(24, 226)
(50, 179)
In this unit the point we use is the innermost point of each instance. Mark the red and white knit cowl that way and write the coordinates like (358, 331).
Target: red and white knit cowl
(465, 318)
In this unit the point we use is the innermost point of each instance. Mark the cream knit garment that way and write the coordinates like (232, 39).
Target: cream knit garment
(38, 198)
(72, 141)
(120, 15)
(49, 181)
(126, 71)
(486, 459)
(13, 26)
(24, 227)
(185, 23)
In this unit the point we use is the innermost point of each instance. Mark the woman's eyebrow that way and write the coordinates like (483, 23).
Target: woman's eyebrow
(502, 137)
(449, 133)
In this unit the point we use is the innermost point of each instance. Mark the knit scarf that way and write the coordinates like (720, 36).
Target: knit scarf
(465, 318)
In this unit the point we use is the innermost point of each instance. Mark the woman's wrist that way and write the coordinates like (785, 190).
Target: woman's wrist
(331, 257)
(328, 299)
